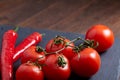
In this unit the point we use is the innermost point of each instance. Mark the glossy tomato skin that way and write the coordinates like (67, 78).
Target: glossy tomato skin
(103, 35)
(87, 64)
(51, 47)
(31, 54)
(53, 71)
(68, 52)
(29, 72)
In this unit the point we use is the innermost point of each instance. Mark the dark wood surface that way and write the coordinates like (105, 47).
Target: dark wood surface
(61, 15)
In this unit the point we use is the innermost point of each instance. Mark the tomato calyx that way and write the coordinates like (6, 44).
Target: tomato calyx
(61, 61)
(86, 44)
(90, 43)
(39, 49)
(66, 44)
(36, 63)
(59, 40)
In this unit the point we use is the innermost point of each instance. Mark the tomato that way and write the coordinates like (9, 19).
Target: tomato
(56, 67)
(57, 44)
(86, 63)
(68, 52)
(33, 53)
(29, 71)
(101, 34)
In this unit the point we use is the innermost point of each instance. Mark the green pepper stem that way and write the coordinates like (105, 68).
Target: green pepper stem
(16, 28)
(43, 34)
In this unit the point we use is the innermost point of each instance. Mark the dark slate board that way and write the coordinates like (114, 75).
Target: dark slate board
(110, 67)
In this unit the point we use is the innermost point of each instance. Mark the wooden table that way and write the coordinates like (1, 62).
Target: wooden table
(61, 15)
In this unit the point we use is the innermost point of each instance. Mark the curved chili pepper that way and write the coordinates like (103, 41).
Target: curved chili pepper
(8, 44)
(32, 39)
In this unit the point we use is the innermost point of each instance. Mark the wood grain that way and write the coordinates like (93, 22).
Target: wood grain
(61, 15)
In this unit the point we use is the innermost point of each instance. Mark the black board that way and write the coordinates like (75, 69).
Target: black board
(110, 67)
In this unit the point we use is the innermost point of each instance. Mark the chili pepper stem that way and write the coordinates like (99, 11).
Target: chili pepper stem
(43, 34)
(16, 28)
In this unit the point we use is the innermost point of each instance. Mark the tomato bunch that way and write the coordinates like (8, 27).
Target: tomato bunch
(61, 56)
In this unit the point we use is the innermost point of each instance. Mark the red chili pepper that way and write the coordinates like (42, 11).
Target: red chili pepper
(8, 44)
(32, 39)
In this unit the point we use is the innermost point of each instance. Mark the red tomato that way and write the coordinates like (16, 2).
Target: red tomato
(33, 53)
(68, 52)
(29, 71)
(58, 43)
(101, 34)
(56, 67)
(87, 64)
